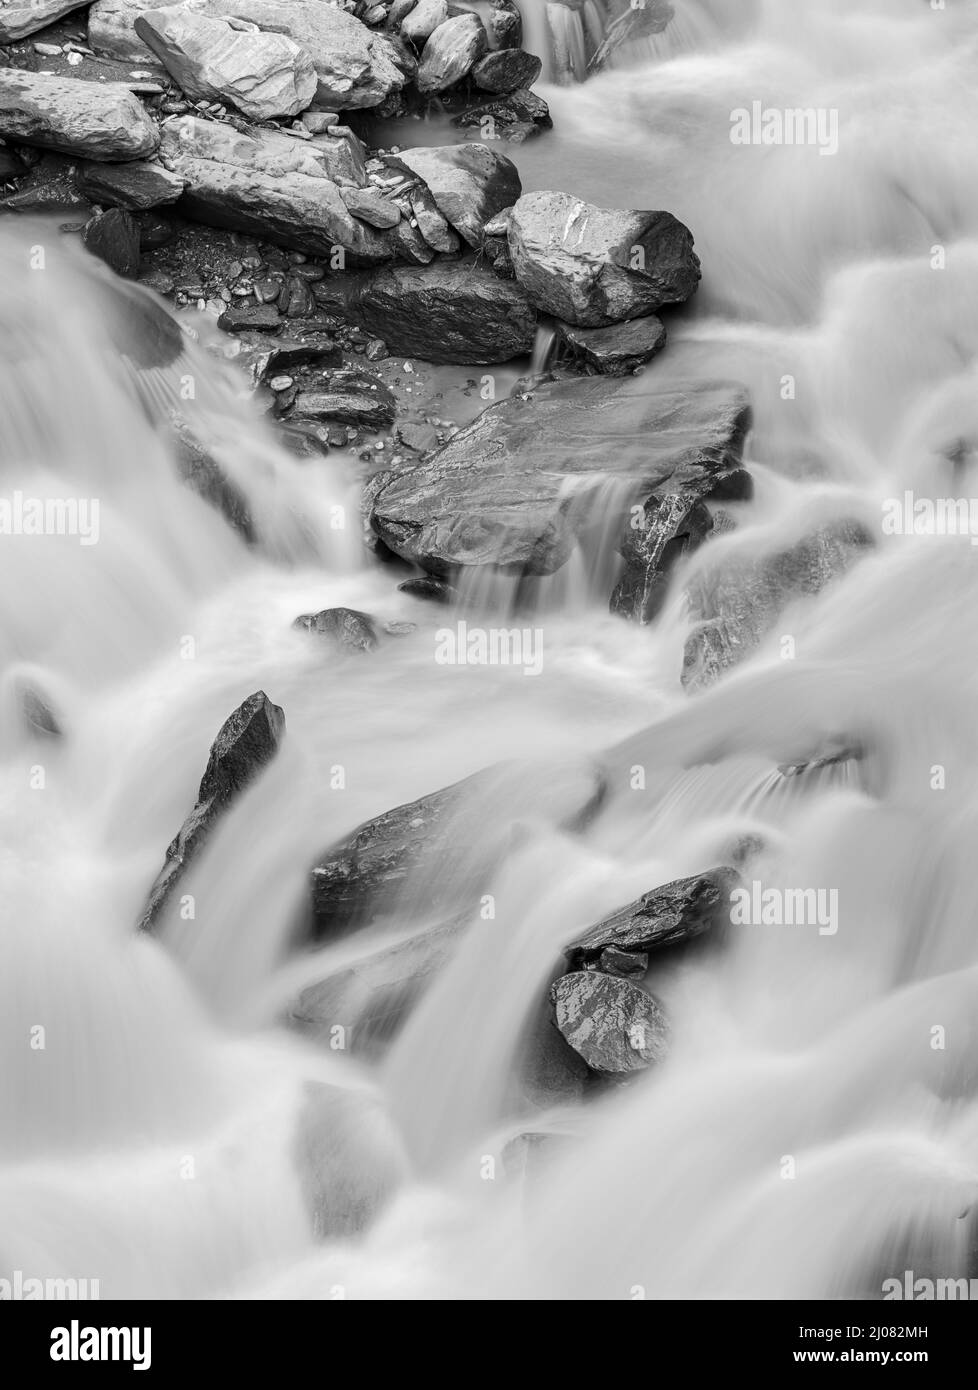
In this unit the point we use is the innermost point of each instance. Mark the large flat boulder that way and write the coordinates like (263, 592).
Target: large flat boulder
(517, 487)
(355, 66)
(18, 18)
(450, 52)
(268, 183)
(95, 120)
(263, 75)
(594, 266)
(446, 312)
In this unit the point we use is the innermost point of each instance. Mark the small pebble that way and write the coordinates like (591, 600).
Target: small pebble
(280, 383)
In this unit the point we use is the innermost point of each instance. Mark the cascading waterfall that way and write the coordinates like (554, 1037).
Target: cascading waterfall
(152, 1140)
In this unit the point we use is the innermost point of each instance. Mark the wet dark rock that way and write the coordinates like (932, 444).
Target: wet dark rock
(594, 266)
(250, 318)
(670, 527)
(248, 739)
(113, 237)
(669, 915)
(516, 117)
(430, 858)
(739, 600)
(134, 186)
(617, 349)
(350, 629)
(470, 183)
(506, 70)
(505, 25)
(451, 312)
(637, 22)
(93, 120)
(11, 165)
(516, 488)
(296, 300)
(50, 185)
(355, 398)
(289, 353)
(450, 52)
(428, 588)
(627, 964)
(205, 476)
(38, 715)
(612, 1024)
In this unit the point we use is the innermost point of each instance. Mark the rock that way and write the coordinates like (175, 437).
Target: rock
(355, 67)
(627, 964)
(289, 353)
(153, 231)
(506, 71)
(263, 75)
(517, 486)
(450, 52)
(355, 398)
(11, 166)
(516, 117)
(671, 526)
(296, 300)
(669, 915)
(423, 20)
(593, 266)
(430, 858)
(469, 183)
(372, 998)
(205, 476)
(371, 207)
(248, 739)
(428, 588)
(350, 629)
(94, 120)
(617, 349)
(432, 226)
(616, 1027)
(639, 21)
(38, 716)
(266, 183)
(114, 237)
(417, 436)
(240, 317)
(451, 312)
(18, 18)
(505, 25)
(133, 186)
(737, 603)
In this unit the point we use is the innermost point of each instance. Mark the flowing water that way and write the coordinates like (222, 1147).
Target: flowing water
(816, 1125)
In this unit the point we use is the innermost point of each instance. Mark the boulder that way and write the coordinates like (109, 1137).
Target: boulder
(618, 349)
(470, 183)
(423, 19)
(263, 75)
(348, 628)
(612, 1024)
(506, 70)
(92, 120)
(450, 52)
(660, 534)
(517, 486)
(355, 66)
(669, 915)
(371, 207)
(269, 184)
(736, 603)
(429, 858)
(505, 25)
(247, 740)
(449, 312)
(134, 186)
(516, 117)
(114, 237)
(18, 18)
(354, 398)
(594, 266)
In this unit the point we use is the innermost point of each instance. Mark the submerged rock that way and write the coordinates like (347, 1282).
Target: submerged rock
(352, 630)
(113, 236)
(739, 600)
(247, 740)
(263, 75)
(617, 349)
(450, 312)
(95, 120)
(616, 1027)
(205, 476)
(517, 487)
(516, 117)
(594, 266)
(669, 915)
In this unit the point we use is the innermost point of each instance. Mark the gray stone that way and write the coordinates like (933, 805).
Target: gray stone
(371, 207)
(348, 628)
(18, 18)
(94, 120)
(470, 183)
(516, 487)
(114, 237)
(263, 75)
(355, 398)
(593, 266)
(423, 19)
(450, 52)
(515, 117)
(247, 740)
(616, 1027)
(135, 186)
(506, 70)
(617, 349)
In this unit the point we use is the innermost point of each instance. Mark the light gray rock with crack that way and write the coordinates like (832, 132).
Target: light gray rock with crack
(25, 17)
(92, 119)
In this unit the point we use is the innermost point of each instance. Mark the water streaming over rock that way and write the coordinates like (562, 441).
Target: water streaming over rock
(162, 1137)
